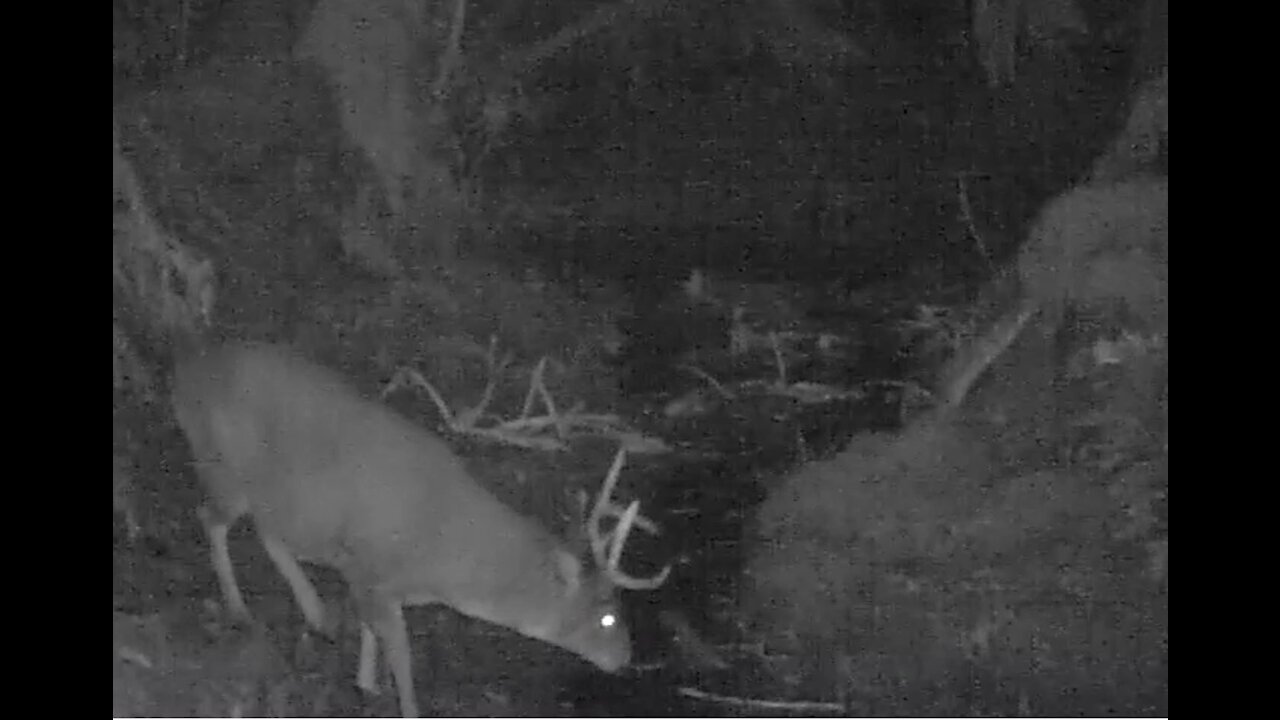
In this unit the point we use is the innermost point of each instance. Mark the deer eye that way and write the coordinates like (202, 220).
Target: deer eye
(608, 620)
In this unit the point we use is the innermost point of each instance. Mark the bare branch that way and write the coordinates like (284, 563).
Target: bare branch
(534, 381)
(778, 358)
(452, 55)
(724, 393)
(470, 417)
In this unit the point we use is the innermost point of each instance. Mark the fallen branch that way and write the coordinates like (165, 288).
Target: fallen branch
(798, 705)
(724, 393)
(966, 215)
(527, 431)
(495, 369)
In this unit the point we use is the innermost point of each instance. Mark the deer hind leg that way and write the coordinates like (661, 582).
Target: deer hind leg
(367, 674)
(217, 522)
(303, 591)
(383, 619)
(395, 645)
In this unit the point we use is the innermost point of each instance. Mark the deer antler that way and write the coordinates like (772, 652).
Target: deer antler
(607, 547)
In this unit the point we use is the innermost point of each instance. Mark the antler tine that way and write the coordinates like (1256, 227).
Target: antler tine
(616, 575)
(608, 554)
(599, 542)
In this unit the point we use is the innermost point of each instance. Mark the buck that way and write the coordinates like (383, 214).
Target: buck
(333, 478)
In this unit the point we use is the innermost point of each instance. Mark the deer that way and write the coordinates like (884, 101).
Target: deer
(331, 477)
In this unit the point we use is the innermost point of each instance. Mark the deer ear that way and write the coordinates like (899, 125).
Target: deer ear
(569, 568)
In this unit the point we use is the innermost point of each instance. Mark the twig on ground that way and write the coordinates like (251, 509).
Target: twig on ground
(798, 705)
